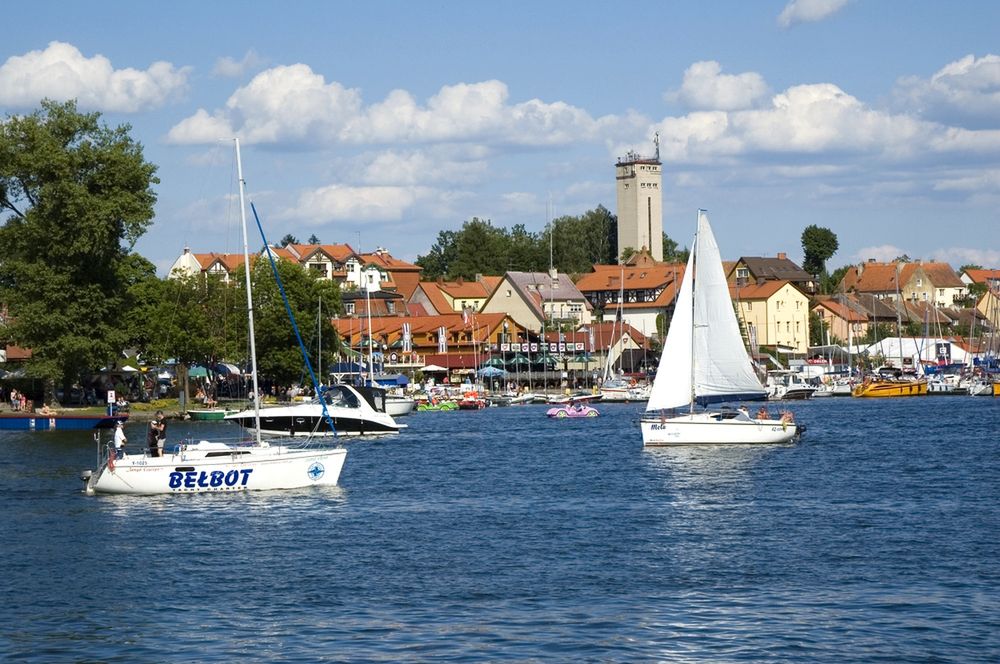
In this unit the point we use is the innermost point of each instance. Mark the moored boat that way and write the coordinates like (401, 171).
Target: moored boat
(890, 387)
(57, 422)
(209, 414)
(346, 410)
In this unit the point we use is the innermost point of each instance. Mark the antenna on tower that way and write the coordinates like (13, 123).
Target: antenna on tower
(656, 142)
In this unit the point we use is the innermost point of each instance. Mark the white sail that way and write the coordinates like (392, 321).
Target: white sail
(722, 367)
(703, 358)
(672, 385)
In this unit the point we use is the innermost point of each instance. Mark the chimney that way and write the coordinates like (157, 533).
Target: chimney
(460, 280)
(781, 256)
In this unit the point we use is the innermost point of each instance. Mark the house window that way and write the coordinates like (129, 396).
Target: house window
(749, 306)
(508, 292)
(920, 283)
(390, 306)
(349, 307)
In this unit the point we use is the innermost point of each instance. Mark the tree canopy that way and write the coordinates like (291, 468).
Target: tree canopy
(76, 195)
(576, 244)
(818, 245)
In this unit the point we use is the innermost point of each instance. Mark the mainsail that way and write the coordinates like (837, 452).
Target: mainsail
(704, 359)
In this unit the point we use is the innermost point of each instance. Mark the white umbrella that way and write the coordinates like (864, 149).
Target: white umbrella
(434, 367)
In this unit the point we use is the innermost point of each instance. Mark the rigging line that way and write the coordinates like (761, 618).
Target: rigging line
(288, 308)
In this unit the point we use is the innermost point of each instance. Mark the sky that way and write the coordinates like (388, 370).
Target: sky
(380, 124)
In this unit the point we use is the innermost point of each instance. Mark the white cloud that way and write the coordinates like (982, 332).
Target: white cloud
(976, 181)
(817, 119)
(61, 72)
(421, 167)
(967, 91)
(287, 104)
(232, 68)
(881, 253)
(705, 87)
(341, 202)
(808, 11)
(294, 105)
(957, 256)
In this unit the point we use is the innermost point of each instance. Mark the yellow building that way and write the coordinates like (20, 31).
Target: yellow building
(774, 313)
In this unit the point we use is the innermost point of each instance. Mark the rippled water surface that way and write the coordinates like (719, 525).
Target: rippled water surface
(501, 535)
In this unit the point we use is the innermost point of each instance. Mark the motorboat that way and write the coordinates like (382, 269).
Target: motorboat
(353, 411)
(787, 386)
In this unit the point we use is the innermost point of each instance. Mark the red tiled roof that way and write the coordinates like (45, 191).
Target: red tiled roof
(433, 292)
(756, 291)
(983, 276)
(842, 311)
(882, 277)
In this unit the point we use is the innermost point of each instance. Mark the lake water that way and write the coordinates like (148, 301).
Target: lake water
(501, 535)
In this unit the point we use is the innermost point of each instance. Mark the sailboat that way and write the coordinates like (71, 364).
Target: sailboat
(704, 361)
(210, 466)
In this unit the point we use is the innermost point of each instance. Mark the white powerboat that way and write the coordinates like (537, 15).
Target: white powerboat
(350, 411)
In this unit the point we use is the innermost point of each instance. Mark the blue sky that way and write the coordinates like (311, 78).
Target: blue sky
(382, 123)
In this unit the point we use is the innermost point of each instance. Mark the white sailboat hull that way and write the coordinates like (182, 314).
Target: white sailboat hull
(217, 468)
(713, 429)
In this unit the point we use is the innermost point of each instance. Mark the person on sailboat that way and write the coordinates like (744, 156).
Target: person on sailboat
(120, 440)
(156, 435)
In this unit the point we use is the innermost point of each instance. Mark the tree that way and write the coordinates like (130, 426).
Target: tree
(313, 239)
(818, 244)
(288, 239)
(670, 252)
(830, 283)
(77, 195)
(278, 354)
(438, 260)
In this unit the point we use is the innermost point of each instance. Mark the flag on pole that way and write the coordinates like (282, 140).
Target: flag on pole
(442, 340)
(407, 339)
(466, 317)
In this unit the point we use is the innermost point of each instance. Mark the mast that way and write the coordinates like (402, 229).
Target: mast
(246, 271)
(319, 336)
(368, 309)
(694, 274)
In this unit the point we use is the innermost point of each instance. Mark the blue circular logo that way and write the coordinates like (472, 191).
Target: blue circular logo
(316, 471)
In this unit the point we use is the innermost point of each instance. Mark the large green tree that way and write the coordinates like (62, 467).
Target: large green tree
(278, 354)
(818, 245)
(75, 196)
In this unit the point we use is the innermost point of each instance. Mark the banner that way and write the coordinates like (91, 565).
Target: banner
(442, 340)
(504, 348)
(407, 339)
(593, 347)
(534, 348)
